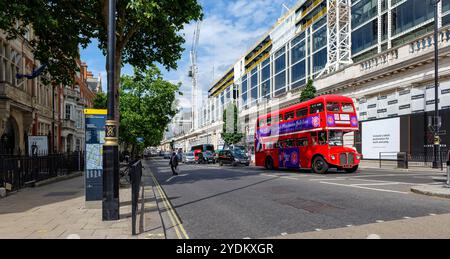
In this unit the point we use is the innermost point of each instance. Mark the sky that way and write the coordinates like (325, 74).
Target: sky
(229, 29)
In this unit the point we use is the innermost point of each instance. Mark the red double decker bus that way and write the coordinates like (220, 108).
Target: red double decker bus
(308, 135)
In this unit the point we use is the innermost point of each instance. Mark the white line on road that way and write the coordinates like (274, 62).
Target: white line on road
(284, 234)
(380, 221)
(365, 188)
(373, 236)
(318, 229)
(175, 176)
(290, 178)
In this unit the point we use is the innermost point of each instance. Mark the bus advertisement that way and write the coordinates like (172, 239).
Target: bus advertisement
(308, 135)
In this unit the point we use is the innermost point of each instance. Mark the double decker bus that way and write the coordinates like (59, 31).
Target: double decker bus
(308, 135)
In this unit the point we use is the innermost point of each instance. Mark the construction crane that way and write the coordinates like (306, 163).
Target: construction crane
(193, 73)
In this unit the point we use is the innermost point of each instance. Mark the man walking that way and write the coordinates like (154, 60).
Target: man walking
(174, 163)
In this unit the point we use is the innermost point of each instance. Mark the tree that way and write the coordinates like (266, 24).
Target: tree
(309, 92)
(230, 133)
(100, 101)
(147, 31)
(147, 107)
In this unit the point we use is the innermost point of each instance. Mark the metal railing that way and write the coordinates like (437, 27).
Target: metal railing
(406, 160)
(17, 172)
(136, 179)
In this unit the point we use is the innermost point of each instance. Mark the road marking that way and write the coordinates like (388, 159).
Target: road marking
(290, 178)
(349, 226)
(380, 221)
(376, 184)
(406, 217)
(365, 188)
(432, 214)
(373, 236)
(173, 217)
(175, 176)
(284, 234)
(246, 238)
(73, 236)
(318, 229)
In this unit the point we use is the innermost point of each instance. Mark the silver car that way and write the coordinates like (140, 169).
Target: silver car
(189, 158)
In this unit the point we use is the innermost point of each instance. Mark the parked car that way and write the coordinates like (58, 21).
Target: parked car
(233, 157)
(189, 158)
(206, 158)
(167, 155)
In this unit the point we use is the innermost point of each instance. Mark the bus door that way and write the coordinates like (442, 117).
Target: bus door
(288, 155)
(302, 144)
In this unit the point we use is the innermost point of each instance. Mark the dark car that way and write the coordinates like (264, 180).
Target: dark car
(206, 158)
(233, 157)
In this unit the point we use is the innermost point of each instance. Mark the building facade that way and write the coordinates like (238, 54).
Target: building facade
(379, 52)
(31, 107)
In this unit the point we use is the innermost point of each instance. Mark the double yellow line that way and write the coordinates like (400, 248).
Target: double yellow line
(176, 222)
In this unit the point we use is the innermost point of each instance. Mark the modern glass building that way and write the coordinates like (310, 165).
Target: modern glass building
(380, 52)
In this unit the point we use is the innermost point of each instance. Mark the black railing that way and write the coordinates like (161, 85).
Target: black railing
(407, 160)
(136, 179)
(17, 172)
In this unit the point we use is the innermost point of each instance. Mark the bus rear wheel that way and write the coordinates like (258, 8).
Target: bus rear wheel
(320, 166)
(269, 163)
(352, 170)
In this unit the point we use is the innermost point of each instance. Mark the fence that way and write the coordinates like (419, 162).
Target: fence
(406, 160)
(17, 172)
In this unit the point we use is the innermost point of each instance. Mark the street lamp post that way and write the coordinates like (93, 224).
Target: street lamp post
(111, 146)
(436, 88)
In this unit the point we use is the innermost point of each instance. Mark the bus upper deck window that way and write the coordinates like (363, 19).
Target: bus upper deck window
(347, 107)
(333, 107)
(302, 113)
(316, 108)
(289, 116)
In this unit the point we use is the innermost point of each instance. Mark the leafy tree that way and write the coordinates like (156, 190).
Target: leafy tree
(309, 92)
(100, 101)
(230, 133)
(147, 31)
(146, 108)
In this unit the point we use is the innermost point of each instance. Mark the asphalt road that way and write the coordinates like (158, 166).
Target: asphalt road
(245, 202)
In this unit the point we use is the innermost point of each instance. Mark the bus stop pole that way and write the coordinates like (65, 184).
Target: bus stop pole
(448, 170)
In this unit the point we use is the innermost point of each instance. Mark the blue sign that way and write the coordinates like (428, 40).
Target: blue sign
(95, 138)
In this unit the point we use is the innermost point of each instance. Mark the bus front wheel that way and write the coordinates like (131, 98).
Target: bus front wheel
(320, 166)
(269, 163)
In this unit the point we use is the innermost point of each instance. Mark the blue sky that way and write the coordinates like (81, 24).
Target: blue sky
(229, 29)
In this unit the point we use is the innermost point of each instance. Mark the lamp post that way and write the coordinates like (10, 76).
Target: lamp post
(436, 123)
(111, 147)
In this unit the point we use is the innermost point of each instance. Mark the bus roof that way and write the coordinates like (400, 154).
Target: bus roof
(322, 98)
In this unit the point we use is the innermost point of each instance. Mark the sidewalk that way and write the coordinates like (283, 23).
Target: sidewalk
(373, 164)
(430, 227)
(56, 211)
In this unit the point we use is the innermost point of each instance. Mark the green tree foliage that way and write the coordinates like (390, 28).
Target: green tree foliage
(309, 92)
(100, 101)
(147, 107)
(231, 134)
(147, 30)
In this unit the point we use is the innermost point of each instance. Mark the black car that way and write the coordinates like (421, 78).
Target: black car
(206, 158)
(233, 157)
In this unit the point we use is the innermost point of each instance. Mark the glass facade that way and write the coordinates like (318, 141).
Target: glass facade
(363, 11)
(411, 13)
(365, 37)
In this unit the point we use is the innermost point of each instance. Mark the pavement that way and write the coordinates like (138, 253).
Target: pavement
(213, 202)
(57, 211)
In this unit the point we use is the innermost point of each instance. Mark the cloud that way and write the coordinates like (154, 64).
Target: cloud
(228, 30)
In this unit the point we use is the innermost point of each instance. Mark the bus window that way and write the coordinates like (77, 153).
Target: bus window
(303, 142)
(316, 108)
(269, 120)
(302, 113)
(336, 138)
(281, 117)
(347, 107)
(333, 107)
(289, 116)
(314, 140)
(323, 138)
(290, 143)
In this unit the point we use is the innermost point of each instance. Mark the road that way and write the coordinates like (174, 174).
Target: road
(214, 202)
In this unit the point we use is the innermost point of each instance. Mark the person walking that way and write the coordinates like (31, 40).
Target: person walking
(174, 163)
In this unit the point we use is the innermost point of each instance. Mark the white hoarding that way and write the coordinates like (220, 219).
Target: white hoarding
(37, 145)
(381, 136)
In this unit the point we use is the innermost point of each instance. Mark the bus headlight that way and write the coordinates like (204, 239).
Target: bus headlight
(333, 157)
(359, 157)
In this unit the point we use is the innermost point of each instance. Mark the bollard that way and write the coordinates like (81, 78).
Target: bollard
(448, 170)
(135, 177)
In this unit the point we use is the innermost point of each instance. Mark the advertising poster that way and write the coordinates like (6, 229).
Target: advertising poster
(37, 145)
(289, 158)
(95, 138)
(381, 136)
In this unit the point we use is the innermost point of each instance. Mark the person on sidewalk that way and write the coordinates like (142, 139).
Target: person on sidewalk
(174, 163)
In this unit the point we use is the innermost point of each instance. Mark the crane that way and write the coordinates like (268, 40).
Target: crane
(193, 73)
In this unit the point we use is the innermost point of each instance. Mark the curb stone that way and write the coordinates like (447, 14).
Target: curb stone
(442, 192)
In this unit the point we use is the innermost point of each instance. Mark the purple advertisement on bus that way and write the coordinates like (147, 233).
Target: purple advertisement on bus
(289, 158)
(290, 127)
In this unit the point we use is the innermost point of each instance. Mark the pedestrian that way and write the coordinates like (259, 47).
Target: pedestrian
(174, 163)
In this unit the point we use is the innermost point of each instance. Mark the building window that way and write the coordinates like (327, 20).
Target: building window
(298, 71)
(265, 79)
(365, 37)
(411, 13)
(320, 38)
(68, 111)
(363, 11)
(320, 60)
(254, 85)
